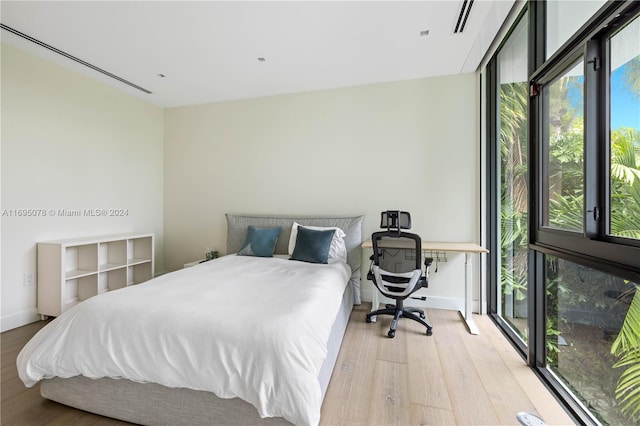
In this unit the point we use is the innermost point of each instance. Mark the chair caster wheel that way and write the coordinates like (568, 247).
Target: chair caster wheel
(429, 332)
(423, 316)
(368, 319)
(391, 334)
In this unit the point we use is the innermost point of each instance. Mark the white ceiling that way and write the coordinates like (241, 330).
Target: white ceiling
(209, 50)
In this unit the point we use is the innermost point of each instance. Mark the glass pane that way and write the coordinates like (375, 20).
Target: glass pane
(565, 147)
(625, 132)
(564, 18)
(512, 97)
(586, 313)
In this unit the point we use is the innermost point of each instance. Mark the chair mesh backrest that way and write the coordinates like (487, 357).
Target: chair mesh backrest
(404, 251)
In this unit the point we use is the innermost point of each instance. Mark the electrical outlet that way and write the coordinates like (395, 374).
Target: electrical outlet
(27, 279)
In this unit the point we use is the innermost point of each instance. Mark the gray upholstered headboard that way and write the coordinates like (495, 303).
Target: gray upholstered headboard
(352, 226)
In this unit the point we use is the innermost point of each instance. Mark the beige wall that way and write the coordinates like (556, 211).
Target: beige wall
(410, 145)
(69, 142)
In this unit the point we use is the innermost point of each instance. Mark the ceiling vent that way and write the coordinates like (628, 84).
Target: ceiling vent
(463, 16)
(73, 58)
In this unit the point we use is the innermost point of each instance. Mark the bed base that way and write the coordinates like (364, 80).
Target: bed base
(150, 403)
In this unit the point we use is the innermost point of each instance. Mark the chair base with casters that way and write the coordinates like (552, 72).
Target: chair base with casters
(399, 311)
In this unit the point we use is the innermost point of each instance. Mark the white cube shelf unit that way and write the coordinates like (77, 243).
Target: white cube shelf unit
(73, 270)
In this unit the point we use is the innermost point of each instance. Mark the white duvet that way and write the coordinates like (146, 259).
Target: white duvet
(238, 326)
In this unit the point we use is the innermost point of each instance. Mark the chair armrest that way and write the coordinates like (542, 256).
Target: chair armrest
(427, 264)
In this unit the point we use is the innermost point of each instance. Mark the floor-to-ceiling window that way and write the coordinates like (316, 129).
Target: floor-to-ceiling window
(566, 291)
(511, 93)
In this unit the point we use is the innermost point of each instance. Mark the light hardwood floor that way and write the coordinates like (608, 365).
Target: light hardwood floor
(449, 378)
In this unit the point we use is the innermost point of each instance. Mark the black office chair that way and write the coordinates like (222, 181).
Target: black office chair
(398, 285)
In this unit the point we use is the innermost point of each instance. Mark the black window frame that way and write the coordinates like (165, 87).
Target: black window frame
(594, 247)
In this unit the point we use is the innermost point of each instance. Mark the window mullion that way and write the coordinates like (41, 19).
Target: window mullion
(605, 138)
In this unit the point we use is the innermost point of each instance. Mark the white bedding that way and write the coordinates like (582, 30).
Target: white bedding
(238, 326)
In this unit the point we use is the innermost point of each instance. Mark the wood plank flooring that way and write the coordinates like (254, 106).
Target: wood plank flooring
(450, 378)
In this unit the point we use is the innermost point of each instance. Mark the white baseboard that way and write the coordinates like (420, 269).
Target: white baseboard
(432, 302)
(18, 319)
(446, 303)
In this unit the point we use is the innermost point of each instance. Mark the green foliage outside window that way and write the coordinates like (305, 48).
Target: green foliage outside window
(514, 193)
(566, 209)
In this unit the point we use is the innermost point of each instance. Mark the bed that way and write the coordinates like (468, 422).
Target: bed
(174, 350)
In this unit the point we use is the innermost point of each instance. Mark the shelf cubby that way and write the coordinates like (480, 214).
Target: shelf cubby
(114, 279)
(70, 291)
(139, 273)
(140, 250)
(87, 287)
(81, 260)
(112, 254)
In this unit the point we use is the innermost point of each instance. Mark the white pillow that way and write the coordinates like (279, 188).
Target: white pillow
(337, 249)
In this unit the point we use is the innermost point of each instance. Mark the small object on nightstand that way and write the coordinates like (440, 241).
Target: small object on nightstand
(211, 254)
(194, 263)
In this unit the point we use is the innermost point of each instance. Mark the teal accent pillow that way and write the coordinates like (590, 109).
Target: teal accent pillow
(260, 242)
(312, 245)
